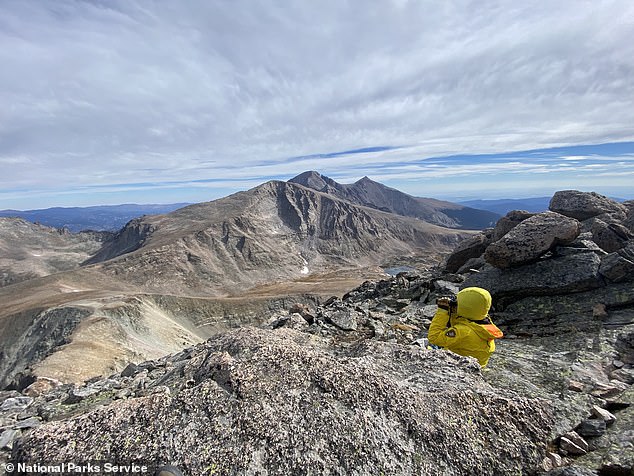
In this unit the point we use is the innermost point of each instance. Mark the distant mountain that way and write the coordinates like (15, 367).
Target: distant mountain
(98, 218)
(372, 194)
(505, 205)
(28, 250)
(274, 232)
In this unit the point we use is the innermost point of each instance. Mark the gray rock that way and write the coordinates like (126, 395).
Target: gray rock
(619, 266)
(583, 205)
(571, 471)
(603, 414)
(130, 370)
(28, 423)
(443, 287)
(78, 394)
(624, 375)
(572, 443)
(468, 248)
(15, 404)
(610, 236)
(284, 401)
(472, 265)
(531, 239)
(509, 221)
(345, 319)
(8, 437)
(551, 276)
(592, 427)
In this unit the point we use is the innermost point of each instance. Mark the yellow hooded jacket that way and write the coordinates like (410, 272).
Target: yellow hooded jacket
(466, 337)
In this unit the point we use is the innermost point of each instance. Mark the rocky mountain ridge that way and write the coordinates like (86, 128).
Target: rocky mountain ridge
(277, 231)
(372, 194)
(349, 386)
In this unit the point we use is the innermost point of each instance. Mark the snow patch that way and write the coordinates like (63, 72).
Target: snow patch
(305, 269)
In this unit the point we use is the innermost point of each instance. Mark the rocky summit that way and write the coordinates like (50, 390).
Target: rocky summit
(349, 386)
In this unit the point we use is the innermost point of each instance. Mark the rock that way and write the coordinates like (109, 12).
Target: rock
(28, 423)
(576, 386)
(592, 427)
(552, 276)
(531, 239)
(610, 237)
(584, 205)
(8, 437)
(472, 265)
(603, 414)
(292, 321)
(571, 471)
(345, 319)
(443, 288)
(41, 386)
(130, 370)
(624, 375)
(619, 266)
(599, 311)
(396, 303)
(76, 394)
(285, 401)
(572, 443)
(303, 310)
(509, 221)
(468, 248)
(15, 404)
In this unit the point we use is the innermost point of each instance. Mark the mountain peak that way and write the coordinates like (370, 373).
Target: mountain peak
(313, 179)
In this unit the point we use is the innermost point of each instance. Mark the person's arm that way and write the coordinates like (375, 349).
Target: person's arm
(438, 328)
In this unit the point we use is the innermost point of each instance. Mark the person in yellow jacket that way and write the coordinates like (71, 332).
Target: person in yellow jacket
(463, 325)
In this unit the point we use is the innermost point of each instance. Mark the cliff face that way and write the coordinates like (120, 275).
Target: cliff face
(369, 193)
(277, 231)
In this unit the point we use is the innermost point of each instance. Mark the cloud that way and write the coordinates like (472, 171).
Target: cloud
(100, 93)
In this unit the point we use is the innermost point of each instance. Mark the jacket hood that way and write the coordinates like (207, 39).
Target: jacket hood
(474, 303)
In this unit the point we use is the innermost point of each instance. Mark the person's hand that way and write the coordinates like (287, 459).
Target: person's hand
(449, 303)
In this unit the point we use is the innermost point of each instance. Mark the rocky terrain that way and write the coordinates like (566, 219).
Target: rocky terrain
(28, 250)
(348, 386)
(278, 231)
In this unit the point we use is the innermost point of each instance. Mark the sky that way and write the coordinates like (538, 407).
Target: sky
(160, 101)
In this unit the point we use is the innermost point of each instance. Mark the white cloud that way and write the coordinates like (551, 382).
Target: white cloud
(100, 92)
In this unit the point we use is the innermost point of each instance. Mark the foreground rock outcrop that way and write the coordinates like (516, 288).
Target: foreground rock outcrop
(285, 402)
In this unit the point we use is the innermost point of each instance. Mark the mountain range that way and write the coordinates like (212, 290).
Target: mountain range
(164, 281)
(97, 218)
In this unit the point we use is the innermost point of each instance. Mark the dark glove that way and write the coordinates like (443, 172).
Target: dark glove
(449, 303)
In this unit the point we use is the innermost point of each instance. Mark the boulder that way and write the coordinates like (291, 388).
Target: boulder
(468, 248)
(509, 221)
(531, 239)
(345, 318)
(610, 236)
(551, 276)
(584, 205)
(619, 266)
